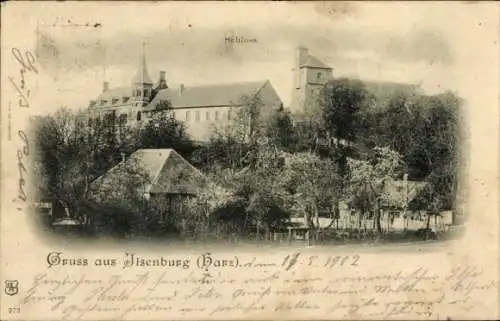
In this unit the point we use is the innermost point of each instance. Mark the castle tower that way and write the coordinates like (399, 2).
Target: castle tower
(310, 74)
(142, 84)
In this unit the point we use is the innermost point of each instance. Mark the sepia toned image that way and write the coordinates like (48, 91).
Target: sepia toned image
(337, 159)
(308, 160)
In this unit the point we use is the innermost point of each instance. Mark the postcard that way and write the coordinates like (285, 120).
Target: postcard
(249, 161)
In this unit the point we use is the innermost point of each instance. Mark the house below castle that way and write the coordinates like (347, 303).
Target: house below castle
(201, 108)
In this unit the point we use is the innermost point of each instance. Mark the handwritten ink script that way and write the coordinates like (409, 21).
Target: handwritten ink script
(26, 62)
(223, 286)
(27, 65)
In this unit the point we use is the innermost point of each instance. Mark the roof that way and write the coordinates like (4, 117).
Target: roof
(118, 92)
(142, 75)
(385, 90)
(313, 62)
(166, 171)
(394, 192)
(207, 95)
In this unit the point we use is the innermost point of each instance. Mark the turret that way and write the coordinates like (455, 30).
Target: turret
(142, 83)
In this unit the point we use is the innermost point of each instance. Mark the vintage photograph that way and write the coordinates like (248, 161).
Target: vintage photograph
(249, 161)
(301, 136)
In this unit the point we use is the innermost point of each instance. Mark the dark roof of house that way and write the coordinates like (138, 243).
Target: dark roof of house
(166, 170)
(313, 62)
(207, 95)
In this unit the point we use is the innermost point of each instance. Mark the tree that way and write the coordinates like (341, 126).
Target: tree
(280, 130)
(428, 132)
(73, 150)
(164, 131)
(308, 184)
(204, 205)
(341, 103)
(367, 179)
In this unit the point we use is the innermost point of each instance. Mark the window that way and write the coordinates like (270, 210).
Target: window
(197, 115)
(114, 101)
(109, 119)
(188, 113)
(123, 119)
(216, 115)
(207, 115)
(229, 114)
(318, 76)
(138, 116)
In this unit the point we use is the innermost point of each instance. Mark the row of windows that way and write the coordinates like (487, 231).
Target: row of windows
(110, 118)
(125, 99)
(144, 92)
(207, 115)
(197, 114)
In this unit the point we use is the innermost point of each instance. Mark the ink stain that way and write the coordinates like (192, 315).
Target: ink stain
(189, 25)
(334, 10)
(97, 25)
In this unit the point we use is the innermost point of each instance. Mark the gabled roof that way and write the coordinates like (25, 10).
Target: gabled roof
(167, 172)
(207, 95)
(395, 194)
(313, 62)
(118, 92)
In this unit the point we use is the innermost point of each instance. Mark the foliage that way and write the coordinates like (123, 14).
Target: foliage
(265, 165)
(71, 154)
(281, 132)
(425, 131)
(310, 184)
(164, 131)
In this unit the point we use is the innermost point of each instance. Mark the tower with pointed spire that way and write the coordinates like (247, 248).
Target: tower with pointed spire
(142, 85)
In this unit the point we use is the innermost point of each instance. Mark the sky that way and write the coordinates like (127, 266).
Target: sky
(82, 44)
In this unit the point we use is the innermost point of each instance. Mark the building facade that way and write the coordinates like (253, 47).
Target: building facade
(201, 108)
(310, 75)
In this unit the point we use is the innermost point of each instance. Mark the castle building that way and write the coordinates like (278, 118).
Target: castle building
(201, 108)
(310, 75)
(206, 107)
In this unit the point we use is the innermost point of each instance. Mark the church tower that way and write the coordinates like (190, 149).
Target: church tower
(310, 74)
(142, 85)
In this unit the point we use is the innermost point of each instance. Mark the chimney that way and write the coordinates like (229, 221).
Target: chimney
(162, 82)
(105, 86)
(300, 57)
(181, 89)
(123, 157)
